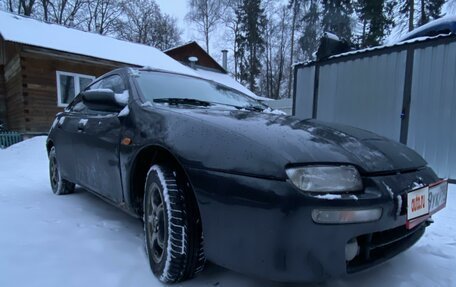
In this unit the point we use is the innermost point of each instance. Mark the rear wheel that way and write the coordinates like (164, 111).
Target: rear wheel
(172, 227)
(59, 185)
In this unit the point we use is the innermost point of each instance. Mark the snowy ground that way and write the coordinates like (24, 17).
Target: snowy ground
(78, 240)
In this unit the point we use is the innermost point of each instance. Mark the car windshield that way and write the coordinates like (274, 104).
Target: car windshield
(179, 89)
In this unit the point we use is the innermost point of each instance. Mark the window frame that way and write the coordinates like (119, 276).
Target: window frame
(77, 87)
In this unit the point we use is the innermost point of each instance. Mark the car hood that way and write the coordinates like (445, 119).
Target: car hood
(286, 140)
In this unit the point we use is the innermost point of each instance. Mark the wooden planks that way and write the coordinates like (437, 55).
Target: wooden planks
(40, 86)
(30, 84)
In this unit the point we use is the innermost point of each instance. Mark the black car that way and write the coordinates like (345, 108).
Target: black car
(217, 175)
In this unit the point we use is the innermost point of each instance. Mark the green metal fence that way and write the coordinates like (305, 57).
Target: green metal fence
(9, 138)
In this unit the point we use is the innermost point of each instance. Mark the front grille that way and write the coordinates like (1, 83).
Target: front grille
(380, 246)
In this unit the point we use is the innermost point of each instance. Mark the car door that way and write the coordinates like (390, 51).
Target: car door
(68, 140)
(99, 148)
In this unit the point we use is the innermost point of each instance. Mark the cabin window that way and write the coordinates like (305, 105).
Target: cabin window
(69, 85)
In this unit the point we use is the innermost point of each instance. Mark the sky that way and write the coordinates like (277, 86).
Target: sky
(177, 9)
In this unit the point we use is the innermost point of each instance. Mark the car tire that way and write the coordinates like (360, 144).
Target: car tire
(173, 233)
(59, 185)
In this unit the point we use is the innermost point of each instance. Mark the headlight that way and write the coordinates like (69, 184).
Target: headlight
(326, 178)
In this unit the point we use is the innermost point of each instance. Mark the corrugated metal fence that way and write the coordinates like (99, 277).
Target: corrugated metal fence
(405, 92)
(9, 138)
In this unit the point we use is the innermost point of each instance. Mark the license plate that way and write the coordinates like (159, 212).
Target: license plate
(438, 196)
(417, 203)
(423, 202)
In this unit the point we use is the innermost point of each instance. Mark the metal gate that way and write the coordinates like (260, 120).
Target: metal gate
(404, 92)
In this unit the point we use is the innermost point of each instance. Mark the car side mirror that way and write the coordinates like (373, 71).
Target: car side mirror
(102, 100)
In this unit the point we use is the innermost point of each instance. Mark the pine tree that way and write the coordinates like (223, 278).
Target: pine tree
(426, 10)
(295, 6)
(376, 17)
(430, 10)
(251, 41)
(336, 17)
(311, 21)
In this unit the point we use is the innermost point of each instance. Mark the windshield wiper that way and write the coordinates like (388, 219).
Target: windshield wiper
(183, 101)
(253, 108)
(195, 102)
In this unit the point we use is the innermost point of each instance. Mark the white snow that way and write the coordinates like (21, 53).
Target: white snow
(36, 33)
(399, 203)
(122, 98)
(168, 210)
(332, 36)
(79, 240)
(336, 196)
(147, 104)
(329, 196)
(124, 112)
(386, 45)
(437, 22)
(389, 189)
(83, 121)
(417, 185)
(270, 110)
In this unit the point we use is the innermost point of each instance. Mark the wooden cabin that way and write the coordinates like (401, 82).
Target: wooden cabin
(38, 83)
(44, 66)
(184, 52)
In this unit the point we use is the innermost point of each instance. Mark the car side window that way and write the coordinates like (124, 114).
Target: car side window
(77, 106)
(114, 82)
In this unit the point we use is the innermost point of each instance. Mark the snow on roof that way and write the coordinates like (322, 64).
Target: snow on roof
(227, 80)
(397, 41)
(414, 40)
(32, 32)
(179, 46)
(355, 52)
(332, 36)
(37, 33)
(441, 21)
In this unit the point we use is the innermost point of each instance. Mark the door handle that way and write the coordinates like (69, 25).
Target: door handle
(81, 125)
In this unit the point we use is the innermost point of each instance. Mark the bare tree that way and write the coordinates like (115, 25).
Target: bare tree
(143, 22)
(21, 7)
(231, 22)
(166, 33)
(101, 15)
(63, 12)
(27, 6)
(295, 5)
(275, 74)
(206, 15)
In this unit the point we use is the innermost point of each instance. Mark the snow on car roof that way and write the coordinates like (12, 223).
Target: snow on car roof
(32, 32)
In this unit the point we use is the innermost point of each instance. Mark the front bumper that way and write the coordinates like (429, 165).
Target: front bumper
(264, 227)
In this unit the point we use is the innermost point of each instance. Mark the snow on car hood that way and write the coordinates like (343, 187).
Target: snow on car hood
(288, 140)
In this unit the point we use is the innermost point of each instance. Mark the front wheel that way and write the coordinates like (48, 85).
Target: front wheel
(172, 227)
(59, 185)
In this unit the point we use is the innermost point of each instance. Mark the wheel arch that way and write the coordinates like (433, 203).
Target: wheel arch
(144, 159)
(49, 145)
